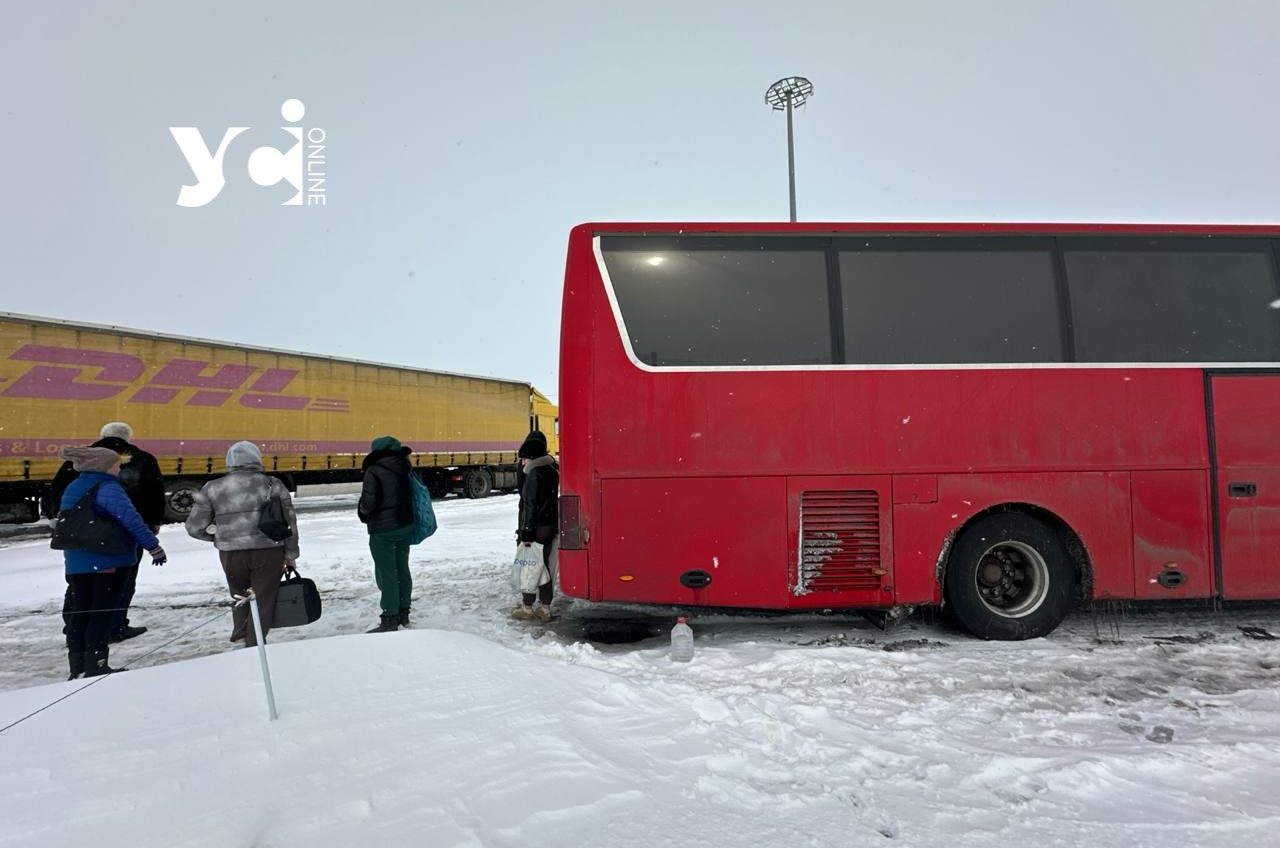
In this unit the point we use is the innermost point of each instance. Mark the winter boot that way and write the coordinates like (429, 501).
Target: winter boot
(76, 660)
(522, 612)
(127, 632)
(404, 617)
(387, 624)
(96, 664)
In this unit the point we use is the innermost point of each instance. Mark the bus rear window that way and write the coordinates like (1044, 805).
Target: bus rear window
(721, 302)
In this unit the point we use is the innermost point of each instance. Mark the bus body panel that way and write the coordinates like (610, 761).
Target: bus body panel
(880, 421)
(1171, 535)
(571, 570)
(1095, 505)
(732, 529)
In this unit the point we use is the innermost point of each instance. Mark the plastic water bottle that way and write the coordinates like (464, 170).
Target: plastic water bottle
(681, 641)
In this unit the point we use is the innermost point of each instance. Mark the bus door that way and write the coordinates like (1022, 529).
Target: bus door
(1246, 451)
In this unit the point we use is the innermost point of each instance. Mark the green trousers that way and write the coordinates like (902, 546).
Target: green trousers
(390, 551)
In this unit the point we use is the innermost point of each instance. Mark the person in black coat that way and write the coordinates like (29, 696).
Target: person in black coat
(386, 508)
(539, 518)
(140, 476)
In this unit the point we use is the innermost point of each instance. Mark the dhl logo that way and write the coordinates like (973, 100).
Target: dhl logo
(62, 376)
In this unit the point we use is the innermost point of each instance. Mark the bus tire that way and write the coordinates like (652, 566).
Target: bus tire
(1010, 577)
(477, 483)
(179, 499)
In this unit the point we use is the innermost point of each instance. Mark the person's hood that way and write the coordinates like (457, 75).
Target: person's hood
(244, 455)
(400, 454)
(120, 446)
(84, 459)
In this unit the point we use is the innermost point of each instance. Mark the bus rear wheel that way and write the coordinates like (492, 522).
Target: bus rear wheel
(1009, 577)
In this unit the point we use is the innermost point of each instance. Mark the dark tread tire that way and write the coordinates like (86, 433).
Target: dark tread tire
(438, 486)
(477, 483)
(178, 500)
(1031, 548)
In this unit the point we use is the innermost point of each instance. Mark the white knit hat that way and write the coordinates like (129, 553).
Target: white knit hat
(119, 430)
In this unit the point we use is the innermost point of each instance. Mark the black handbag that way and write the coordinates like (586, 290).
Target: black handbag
(271, 520)
(80, 528)
(297, 601)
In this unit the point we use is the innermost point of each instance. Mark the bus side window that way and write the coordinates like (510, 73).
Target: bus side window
(1200, 300)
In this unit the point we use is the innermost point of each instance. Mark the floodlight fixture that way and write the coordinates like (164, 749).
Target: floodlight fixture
(785, 94)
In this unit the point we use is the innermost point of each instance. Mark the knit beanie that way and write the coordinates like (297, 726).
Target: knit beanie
(535, 445)
(243, 454)
(385, 443)
(90, 459)
(118, 429)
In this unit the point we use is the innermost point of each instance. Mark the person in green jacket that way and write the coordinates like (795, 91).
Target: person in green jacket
(386, 508)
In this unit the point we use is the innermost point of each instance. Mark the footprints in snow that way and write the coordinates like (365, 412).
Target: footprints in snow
(1160, 734)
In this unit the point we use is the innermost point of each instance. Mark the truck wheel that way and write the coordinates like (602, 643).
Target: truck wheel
(19, 512)
(1010, 577)
(179, 499)
(438, 486)
(477, 483)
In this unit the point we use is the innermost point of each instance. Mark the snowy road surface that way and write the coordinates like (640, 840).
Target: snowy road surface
(1153, 729)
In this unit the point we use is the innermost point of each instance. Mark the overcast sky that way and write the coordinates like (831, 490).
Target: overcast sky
(464, 141)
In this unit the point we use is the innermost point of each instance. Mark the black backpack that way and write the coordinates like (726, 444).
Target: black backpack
(81, 528)
(272, 522)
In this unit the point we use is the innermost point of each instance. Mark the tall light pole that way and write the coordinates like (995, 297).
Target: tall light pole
(784, 94)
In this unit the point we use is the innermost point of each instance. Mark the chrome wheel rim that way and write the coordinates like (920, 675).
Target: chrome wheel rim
(1012, 579)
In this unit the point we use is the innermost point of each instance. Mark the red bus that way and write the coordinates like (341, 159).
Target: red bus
(1001, 419)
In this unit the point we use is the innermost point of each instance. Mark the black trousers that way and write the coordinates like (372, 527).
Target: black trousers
(93, 596)
(127, 584)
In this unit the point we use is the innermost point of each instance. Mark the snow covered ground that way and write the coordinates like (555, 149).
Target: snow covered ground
(1151, 729)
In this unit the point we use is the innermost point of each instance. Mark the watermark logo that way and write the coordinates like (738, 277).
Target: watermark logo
(303, 165)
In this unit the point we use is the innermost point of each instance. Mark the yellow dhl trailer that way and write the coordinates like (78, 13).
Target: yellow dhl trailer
(189, 399)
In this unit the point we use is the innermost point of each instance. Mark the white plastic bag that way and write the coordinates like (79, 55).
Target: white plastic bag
(528, 572)
(555, 558)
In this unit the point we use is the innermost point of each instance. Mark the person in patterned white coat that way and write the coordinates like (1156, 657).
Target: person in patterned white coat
(226, 512)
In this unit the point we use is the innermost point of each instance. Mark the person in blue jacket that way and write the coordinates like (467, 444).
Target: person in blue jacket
(91, 563)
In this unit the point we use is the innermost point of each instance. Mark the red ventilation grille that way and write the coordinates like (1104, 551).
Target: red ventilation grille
(839, 542)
